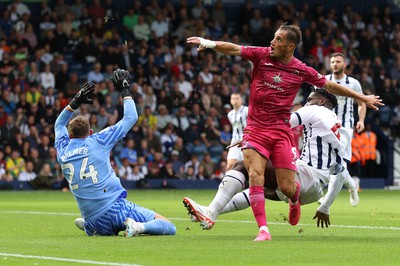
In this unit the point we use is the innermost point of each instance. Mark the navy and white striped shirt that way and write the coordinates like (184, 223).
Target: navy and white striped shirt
(322, 146)
(345, 110)
(238, 119)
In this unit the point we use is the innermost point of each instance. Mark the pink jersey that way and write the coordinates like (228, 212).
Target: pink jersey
(274, 86)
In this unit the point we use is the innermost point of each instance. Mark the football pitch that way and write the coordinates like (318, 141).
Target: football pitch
(37, 228)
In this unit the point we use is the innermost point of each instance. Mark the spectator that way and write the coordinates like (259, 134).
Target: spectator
(77, 9)
(44, 146)
(256, 23)
(141, 30)
(149, 98)
(130, 20)
(153, 141)
(163, 117)
(164, 99)
(177, 164)
(129, 152)
(47, 78)
(167, 171)
(8, 132)
(62, 77)
(208, 164)
(54, 165)
(178, 98)
(4, 176)
(45, 179)
(156, 165)
(160, 26)
(95, 75)
(15, 164)
(148, 118)
(190, 173)
(72, 86)
(96, 10)
(192, 163)
(168, 139)
(125, 170)
(111, 109)
(206, 75)
(28, 174)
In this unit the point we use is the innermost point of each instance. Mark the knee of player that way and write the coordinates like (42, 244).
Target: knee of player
(287, 189)
(239, 166)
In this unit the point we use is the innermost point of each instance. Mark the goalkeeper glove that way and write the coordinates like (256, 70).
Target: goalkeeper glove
(83, 96)
(120, 79)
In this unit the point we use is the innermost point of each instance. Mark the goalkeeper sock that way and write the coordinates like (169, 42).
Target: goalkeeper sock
(159, 227)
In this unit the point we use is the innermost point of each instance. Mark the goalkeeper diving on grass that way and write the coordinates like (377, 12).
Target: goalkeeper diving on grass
(85, 161)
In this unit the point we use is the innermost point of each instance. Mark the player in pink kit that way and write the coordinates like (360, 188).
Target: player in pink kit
(276, 77)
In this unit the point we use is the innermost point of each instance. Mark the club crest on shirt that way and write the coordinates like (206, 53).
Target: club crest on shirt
(277, 78)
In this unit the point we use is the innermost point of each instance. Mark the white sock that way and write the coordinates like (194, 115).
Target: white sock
(239, 202)
(141, 228)
(265, 228)
(232, 183)
(348, 180)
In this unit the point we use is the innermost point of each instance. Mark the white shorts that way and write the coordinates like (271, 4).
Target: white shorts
(235, 153)
(311, 188)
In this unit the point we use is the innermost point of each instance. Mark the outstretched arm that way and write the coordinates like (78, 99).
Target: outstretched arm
(371, 101)
(83, 96)
(226, 48)
(323, 211)
(120, 79)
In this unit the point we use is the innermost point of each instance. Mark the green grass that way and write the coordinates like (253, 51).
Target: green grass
(41, 224)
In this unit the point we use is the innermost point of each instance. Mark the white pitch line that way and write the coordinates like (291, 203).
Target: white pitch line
(222, 221)
(65, 259)
(42, 213)
(287, 224)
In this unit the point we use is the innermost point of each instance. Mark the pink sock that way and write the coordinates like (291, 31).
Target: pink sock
(257, 202)
(297, 193)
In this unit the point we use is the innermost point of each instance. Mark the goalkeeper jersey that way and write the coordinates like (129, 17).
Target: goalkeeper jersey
(85, 163)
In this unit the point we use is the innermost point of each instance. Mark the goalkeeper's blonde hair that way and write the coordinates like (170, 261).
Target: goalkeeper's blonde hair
(79, 127)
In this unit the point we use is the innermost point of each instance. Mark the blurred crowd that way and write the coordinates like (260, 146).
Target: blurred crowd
(182, 96)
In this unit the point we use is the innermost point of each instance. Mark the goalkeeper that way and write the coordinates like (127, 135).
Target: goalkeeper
(85, 163)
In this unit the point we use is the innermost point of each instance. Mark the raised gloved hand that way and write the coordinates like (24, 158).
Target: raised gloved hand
(83, 96)
(120, 79)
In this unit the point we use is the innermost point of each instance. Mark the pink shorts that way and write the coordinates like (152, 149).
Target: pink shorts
(275, 144)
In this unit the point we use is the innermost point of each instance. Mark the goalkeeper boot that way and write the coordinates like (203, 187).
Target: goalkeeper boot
(132, 228)
(201, 213)
(80, 223)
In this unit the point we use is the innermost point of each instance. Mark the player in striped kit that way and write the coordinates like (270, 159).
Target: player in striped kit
(345, 113)
(321, 156)
(237, 117)
(84, 159)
